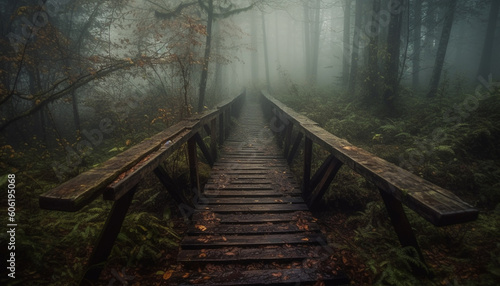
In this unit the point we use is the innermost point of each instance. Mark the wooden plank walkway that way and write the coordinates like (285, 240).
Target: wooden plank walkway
(251, 226)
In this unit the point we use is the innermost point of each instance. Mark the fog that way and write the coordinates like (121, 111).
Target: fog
(145, 64)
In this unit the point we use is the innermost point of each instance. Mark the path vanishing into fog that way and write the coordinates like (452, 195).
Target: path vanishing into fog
(252, 224)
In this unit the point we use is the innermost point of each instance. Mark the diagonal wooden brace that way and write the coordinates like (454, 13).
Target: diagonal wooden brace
(172, 189)
(204, 149)
(107, 237)
(322, 179)
(400, 222)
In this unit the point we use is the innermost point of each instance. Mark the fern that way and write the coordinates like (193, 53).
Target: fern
(399, 266)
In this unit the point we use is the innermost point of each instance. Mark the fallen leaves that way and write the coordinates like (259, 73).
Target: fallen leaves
(279, 274)
(168, 274)
(200, 227)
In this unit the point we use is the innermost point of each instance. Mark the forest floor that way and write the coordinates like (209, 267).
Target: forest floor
(465, 161)
(54, 246)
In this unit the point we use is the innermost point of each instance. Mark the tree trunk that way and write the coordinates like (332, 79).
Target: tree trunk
(307, 39)
(443, 45)
(277, 40)
(428, 50)
(355, 47)
(218, 64)
(315, 42)
(254, 55)
(373, 70)
(76, 113)
(392, 63)
(266, 56)
(347, 42)
(206, 58)
(417, 32)
(485, 64)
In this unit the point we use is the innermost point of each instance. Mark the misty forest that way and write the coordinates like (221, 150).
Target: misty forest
(391, 121)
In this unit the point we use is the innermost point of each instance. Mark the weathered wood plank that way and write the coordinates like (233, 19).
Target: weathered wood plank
(230, 186)
(121, 185)
(80, 190)
(435, 204)
(250, 165)
(270, 277)
(263, 228)
(254, 208)
(244, 181)
(243, 200)
(203, 216)
(251, 211)
(232, 254)
(269, 193)
(236, 240)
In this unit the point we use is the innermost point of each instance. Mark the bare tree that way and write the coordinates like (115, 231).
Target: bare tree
(347, 41)
(355, 47)
(485, 63)
(443, 46)
(417, 38)
(393, 53)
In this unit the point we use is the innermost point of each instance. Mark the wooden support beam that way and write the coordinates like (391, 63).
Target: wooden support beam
(207, 129)
(204, 149)
(288, 138)
(171, 187)
(306, 180)
(213, 138)
(295, 148)
(320, 173)
(437, 205)
(319, 188)
(193, 165)
(107, 237)
(400, 221)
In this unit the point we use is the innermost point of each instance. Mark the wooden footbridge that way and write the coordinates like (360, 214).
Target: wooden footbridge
(252, 218)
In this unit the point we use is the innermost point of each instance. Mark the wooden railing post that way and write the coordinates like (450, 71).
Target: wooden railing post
(213, 138)
(107, 237)
(306, 180)
(400, 222)
(193, 165)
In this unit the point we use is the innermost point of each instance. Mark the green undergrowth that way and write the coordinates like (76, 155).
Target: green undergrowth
(53, 247)
(449, 140)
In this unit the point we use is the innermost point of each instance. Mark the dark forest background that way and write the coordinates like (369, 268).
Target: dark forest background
(83, 80)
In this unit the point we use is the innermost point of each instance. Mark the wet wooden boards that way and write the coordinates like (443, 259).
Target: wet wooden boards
(251, 221)
(437, 205)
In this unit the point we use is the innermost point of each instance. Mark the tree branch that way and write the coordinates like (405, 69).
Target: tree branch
(175, 12)
(70, 88)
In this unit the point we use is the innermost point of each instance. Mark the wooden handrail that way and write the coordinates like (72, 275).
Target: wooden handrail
(79, 191)
(435, 204)
(396, 185)
(117, 179)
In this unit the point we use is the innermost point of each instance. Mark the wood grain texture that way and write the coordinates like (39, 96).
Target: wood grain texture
(437, 205)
